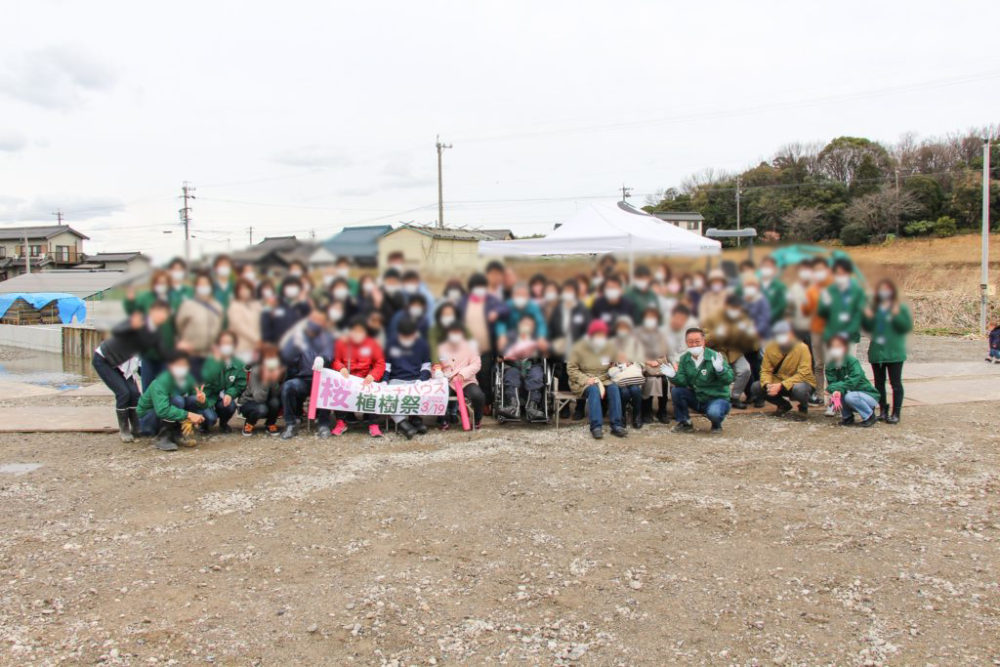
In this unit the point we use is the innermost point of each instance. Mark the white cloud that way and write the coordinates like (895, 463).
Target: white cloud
(314, 156)
(55, 77)
(74, 208)
(12, 141)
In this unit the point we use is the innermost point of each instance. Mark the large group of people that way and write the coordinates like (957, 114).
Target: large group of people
(202, 346)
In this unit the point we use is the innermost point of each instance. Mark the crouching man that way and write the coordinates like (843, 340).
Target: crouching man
(701, 383)
(225, 378)
(262, 397)
(786, 373)
(170, 399)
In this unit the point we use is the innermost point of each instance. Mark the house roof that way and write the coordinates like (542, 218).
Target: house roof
(79, 283)
(452, 234)
(43, 232)
(114, 256)
(680, 216)
(357, 241)
(271, 244)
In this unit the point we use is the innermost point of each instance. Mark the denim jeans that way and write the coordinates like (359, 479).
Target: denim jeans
(857, 401)
(595, 407)
(685, 400)
(215, 413)
(149, 370)
(149, 423)
(254, 411)
(294, 393)
(632, 395)
(126, 391)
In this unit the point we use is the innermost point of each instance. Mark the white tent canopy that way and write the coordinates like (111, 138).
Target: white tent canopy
(603, 228)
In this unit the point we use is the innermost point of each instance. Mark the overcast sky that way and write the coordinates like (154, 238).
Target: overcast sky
(303, 117)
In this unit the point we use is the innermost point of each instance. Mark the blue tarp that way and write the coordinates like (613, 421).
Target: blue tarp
(69, 306)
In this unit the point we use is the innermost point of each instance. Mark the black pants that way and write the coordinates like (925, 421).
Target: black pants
(474, 395)
(894, 370)
(126, 391)
(800, 393)
(253, 411)
(485, 375)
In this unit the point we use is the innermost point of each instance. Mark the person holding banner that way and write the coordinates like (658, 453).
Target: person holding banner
(307, 347)
(360, 355)
(460, 362)
(408, 360)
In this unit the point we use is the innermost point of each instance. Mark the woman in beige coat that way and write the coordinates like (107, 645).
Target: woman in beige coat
(244, 321)
(199, 322)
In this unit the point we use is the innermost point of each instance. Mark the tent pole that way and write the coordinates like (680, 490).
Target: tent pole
(631, 261)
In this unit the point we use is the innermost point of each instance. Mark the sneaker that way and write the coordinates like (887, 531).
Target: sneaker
(339, 428)
(289, 432)
(871, 421)
(618, 432)
(830, 412)
(597, 433)
(444, 426)
(247, 430)
(683, 427)
(738, 404)
(272, 429)
(322, 432)
(406, 428)
(225, 429)
(892, 419)
(716, 429)
(374, 431)
(783, 409)
(847, 421)
(478, 425)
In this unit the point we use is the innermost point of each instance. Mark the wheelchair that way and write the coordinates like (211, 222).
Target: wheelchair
(548, 390)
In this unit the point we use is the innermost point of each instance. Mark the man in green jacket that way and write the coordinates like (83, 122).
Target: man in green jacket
(846, 382)
(224, 377)
(171, 399)
(774, 289)
(701, 383)
(641, 293)
(842, 304)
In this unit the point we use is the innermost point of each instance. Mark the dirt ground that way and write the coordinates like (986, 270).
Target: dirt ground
(774, 543)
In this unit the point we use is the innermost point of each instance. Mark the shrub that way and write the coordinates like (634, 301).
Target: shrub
(919, 228)
(854, 233)
(945, 226)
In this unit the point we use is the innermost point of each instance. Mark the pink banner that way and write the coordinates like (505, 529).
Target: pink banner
(333, 391)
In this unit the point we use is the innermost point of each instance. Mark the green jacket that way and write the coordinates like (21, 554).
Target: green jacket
(848, 376)
(220, 377)
(777, 297)
(157, 397)
(888, 333)
(641, 300)
(142, 303)
(223, 294)
(842, 311)
(704, 380)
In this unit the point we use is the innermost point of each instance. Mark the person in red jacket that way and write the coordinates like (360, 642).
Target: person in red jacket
(358, 354)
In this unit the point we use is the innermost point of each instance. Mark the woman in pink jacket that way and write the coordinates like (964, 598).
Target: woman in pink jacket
(460, 358)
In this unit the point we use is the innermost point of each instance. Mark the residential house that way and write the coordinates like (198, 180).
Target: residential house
(48, 247)
(435, 250)
(358, 244)
(274, 254)
(689, 220)
(126, 262)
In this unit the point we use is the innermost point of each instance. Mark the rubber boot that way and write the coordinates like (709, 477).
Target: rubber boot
(124, 432)
(894, 417)
(883, 413)
(164, 438)
(133, 422)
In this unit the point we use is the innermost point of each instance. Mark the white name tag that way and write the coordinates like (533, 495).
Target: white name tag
(365, 352)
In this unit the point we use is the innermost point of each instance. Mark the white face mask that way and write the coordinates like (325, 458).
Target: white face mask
(622, 334)
(340, 293)
(479, 292)
(177, 275)
(885, 294)
(805, 275)
(335, 314)
(820, 276)
(407, 342)
(391, 289)
(250, 276)
(750, 292)
(568, 297)
(454, 295)
(368, 288)
(411, 288)
(835, 354)
(226, 350)
(783, 339)
(343, 271)
(292, 291)
(455, 338)
(526, 331)
(520, 301)
(328, 280)
(641, 284)
(447, 320)
(180, 375)
(733, 313)
(650, 323)
(358, 337)
(294, 273)
(598, 342)
(160, 289)
(673, 287)
(843, 282)
(767, 271)
(272, 363)
(698, 284)
(717, 287)
(696, 351)
(203, 290)
(416, 312)
(551, 296)
(267, 294)
(660, 276)
(613, 294)
(223, 270)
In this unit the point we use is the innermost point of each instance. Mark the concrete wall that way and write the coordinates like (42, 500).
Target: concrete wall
(430, 256)
(46, 337)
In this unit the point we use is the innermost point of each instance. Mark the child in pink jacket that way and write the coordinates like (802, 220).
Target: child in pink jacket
(460, 358)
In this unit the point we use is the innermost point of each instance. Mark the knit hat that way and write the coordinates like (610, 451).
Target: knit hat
(596, 327)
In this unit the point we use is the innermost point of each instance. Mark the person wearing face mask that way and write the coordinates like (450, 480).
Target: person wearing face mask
(733, 335)
(453, 291)
(713, 302)
(249, 274)
(393, 299)
(459, 360)
(446, 315)
(654, 348)
(786, 373)
(700, 384)
(842, 304)
(306, 347)
(699, 283)
(115, 363)
(757, 306)
(588, 365)
(244, 316)
(845, 379)
(342, 269)
(199, 321)
(179, 290)
(523, 373)
(287, 311)
(267, 294)
(339, 319)
(408, 360)
(612, 303)
(626, 369)
(798, 302)
(520, 306)
(261, 399)
(773, 288)
(549, 300)
(340, 290)
(888, 322)
(224, 378)
(536, 288)
(151, 363)
(369, 295)
(567, 324)
(171, 399)
(297, 269)
(480, 311)
(495, 275)
(360, 355)
(821, 280)
(641, 293)
(416, 310)
(222, 280)
(413, 285)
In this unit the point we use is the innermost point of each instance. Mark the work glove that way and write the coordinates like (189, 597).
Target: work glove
(318, 364)
(718, 364)
(668, 370)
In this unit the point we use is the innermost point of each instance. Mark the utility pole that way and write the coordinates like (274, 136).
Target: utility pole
(27, 255)
(626, 193)
(440, 150)
(185, 212)
(738, 240)
(985, 280)
(59, 216)
(251, 234)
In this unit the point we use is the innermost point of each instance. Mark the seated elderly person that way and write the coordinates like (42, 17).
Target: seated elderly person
(588, 378)
(785, 372)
